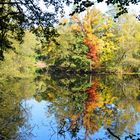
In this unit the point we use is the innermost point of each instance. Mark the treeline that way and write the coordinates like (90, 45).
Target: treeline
(90, 41)
(96, 42)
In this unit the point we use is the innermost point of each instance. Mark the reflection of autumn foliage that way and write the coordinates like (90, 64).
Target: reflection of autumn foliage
(91, 118)
(93, 97)
(94, 100)
(92, 103)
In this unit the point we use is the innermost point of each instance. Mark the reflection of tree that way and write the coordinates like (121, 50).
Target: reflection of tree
(78, 104)
(95, 111)
(127, 91)
(12, 113)
(91, 104)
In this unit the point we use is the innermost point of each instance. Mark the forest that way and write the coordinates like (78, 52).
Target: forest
(85, 66)
(92, 43)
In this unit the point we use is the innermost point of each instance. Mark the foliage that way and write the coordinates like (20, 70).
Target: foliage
(83, 43)
(128, 54)
(95, 41)
(18, 15)
(68, 52)
(82, 5)
(21, 62)
(98, 34)
(89, 39)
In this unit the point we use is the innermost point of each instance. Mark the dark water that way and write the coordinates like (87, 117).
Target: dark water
(57, 107)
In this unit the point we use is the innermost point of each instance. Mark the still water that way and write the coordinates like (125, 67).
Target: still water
(70, 107)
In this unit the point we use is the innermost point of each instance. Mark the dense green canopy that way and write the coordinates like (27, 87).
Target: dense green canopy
(16, 15)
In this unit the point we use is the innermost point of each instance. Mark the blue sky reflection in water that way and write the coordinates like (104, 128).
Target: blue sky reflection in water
(45, 125)
(69, 107)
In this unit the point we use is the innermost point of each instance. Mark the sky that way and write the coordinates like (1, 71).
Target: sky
(101, 6)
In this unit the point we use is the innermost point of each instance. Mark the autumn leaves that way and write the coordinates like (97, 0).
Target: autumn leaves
(89, 39)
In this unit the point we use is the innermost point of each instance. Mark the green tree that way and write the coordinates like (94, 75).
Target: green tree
(69, 51)
(18, 15)
(128, 57)
(22, 61)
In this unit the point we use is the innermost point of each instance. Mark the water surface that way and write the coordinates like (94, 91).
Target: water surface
(58, 107)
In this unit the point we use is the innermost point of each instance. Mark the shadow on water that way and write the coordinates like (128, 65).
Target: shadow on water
(72, 106)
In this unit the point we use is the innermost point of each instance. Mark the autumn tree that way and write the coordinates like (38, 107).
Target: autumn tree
(20, 14)
(98, 33)
(129, 47)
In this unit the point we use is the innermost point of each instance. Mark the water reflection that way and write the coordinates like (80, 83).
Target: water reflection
(71, 107)
(13, 116)
(93, 103)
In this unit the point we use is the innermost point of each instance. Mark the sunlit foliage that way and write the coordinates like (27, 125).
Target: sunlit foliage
(129, 46)
(92, 40)
(22, 61)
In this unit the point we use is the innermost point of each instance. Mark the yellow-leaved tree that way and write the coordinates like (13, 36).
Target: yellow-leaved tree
(20, 62)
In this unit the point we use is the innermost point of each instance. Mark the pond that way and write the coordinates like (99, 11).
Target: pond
(70, 107)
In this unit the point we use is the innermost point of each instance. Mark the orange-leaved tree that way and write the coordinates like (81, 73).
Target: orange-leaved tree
(84, 26)
(98, 32)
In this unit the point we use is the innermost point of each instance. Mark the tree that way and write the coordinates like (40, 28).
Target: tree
(20, 62)
(98, 33)
(69, 51)
(82, 5)
(128, 55)
(18, 15)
